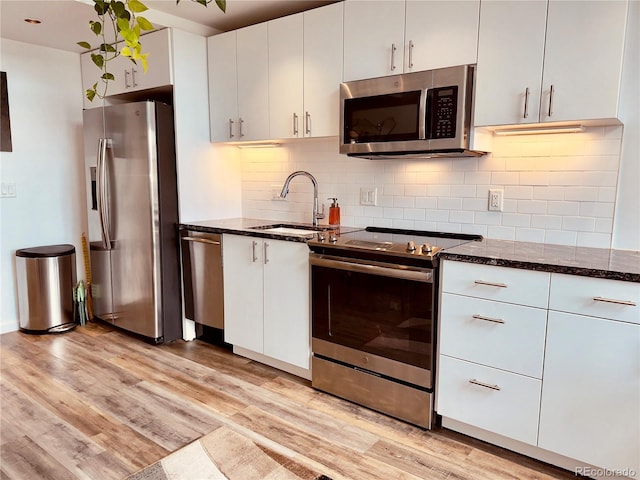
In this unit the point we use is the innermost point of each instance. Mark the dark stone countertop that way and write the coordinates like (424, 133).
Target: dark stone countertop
(591, 262)
(254, 227)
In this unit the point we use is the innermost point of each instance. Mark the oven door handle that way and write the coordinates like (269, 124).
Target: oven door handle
(402, 272)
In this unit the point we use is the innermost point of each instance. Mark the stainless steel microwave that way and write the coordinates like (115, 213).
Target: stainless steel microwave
(420, 114)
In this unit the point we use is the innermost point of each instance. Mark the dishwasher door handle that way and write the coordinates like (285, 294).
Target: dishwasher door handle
(201, 240)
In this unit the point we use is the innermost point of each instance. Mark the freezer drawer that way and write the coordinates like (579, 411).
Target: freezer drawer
(202, 278)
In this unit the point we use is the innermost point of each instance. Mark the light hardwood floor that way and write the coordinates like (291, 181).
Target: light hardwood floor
(97, 403)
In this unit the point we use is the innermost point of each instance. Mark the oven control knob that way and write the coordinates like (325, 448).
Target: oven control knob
(333, 238)
(321, 236)
(426, 248)
(411, 246)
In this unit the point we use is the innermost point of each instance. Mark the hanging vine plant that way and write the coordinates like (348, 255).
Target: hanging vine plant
(119, 22)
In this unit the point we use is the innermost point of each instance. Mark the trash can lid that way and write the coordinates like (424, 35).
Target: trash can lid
(46, 251)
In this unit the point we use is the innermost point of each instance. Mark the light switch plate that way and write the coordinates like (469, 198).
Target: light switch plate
(7, 190)
(368, 196)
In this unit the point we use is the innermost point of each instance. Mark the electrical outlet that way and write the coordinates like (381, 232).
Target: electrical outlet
(368, 196)
(496, 199)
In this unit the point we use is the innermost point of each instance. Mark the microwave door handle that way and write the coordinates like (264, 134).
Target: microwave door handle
(422, 115)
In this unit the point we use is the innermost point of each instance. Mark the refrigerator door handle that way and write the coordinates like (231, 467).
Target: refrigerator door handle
(103, 196)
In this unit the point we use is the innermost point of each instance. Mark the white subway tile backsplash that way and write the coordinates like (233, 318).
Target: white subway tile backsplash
(558, 188)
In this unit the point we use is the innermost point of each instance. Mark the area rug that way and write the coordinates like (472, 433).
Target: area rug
(225, 454)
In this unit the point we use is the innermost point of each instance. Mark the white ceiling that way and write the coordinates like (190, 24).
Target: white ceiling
(66, 22)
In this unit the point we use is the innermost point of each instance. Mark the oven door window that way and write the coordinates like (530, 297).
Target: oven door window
(382, 118)
(384, 316)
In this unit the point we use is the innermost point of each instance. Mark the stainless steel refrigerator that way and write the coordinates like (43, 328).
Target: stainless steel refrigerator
(133, 214)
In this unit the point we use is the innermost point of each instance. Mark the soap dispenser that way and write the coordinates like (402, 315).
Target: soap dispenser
(334, 212)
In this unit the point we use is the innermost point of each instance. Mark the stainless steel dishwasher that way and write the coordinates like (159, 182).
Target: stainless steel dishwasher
(202, 278)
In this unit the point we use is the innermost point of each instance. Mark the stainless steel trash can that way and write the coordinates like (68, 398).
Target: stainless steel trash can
(46, 278)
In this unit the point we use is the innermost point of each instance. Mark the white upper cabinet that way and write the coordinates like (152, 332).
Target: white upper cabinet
(129, 77)
(323, 59)
(286, 76)
(583, 60)
(223, 87)
(549, 61)
(440, 34)
(253, 82)
(239, 85)
(395, 36)
(305, 71)
(373, 38)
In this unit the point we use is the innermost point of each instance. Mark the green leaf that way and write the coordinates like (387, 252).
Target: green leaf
(107, 47)
(96, 27)
(125, 52)
(123, 25)
(144, 23)
(101, 7)
(85, 45)
(107, 76)
(97, 59)
(222, 5)
(118, 8)
(91, 94)
(136, 6)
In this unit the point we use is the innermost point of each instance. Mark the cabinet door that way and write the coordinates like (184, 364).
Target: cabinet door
(286, 302)
(223, 87)
(583, 60)
(510, 55)
(590, 406)
(159, 74)
(323, 58)
(285, 77)
(371, 30)
(440, 34)
(253, 82)
(243, 291)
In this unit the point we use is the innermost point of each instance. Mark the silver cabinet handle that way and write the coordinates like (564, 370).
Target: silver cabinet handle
(200, 240)
(485, 385)
(231, 122)
(490, 284)
(241, 121)
(295, 124)
(266, 252)
(254, 245)
(133, 77)
(307, 123)
(526, 103)
(126, 79)
(613, 300)
(488, 319)
(551, 92)
(393, 56)
(411, 53)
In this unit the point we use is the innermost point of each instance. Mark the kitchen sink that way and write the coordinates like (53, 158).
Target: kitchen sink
(287, 229)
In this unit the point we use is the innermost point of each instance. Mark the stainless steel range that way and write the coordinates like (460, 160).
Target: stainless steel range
(374, 300)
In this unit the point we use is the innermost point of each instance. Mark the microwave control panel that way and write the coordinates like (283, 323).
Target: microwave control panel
(442, 108)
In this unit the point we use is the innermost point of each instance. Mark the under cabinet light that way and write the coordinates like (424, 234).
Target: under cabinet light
(259, 145)
(539, 130)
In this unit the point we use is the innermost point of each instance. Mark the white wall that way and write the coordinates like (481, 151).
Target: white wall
(46, 164)
(558, 188)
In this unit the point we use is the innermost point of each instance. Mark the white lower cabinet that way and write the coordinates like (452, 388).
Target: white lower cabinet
(590, 407)
(559, 381)
(492, 399)
(266, 297)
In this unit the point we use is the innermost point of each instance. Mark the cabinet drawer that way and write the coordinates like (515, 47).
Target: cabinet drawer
(595, 297)
(500, 335)
(505, 403)
(511, 285)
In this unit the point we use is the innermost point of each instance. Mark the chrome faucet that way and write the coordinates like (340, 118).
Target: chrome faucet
(285, 190)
